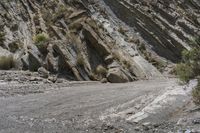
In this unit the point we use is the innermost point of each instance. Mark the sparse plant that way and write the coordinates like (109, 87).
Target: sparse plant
(41, 41)
(190, 69)
(15, 45)
(42, 37)
(184, 72)
(80, 60)
(6, 62)
(117, 56)
(101, 70)
(122, 60)
(141, 47)
(60, 12)
(196, 94)
(127, 63)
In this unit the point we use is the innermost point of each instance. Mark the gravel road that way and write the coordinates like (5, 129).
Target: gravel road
(88, 107)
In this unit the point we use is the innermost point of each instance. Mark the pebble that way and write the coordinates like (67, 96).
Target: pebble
(196, 121)
(137, 128)
(181, 121)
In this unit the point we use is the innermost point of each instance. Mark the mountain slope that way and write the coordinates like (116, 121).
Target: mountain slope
(83, 40)
(166, 26)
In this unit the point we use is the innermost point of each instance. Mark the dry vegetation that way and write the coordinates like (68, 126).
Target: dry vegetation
(6, 62)
(189, 68)
(41, 41)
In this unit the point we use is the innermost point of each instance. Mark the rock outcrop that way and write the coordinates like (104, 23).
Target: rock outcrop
(72, 38)
(167, 27)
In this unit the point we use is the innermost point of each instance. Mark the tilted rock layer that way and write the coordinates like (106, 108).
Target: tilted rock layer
(82, 39)
(166, 26)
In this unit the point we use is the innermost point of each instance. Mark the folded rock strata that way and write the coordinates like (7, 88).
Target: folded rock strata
(74, 37)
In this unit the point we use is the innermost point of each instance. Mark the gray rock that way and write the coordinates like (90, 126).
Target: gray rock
(104, 80)
(196, 121)
(114, 64)
(43, 72)
(52, 78)
(34, 61)
(25, 62)
(115, 75)
(109, 59)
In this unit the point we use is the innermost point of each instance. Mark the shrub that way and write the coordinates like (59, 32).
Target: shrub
(195, 41)
(190, 69)
(190, 66)
(196, 94)
(101, 70)
(14, 46)
(41, 41)
(80, 60)
(184, 72)
(41, 38)
(6, 62)
(141, 47)
(127, 64)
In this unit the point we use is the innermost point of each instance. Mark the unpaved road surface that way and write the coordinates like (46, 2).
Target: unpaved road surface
(142, 106)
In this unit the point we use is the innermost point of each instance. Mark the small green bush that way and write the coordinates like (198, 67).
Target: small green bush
(195, 41)
(184, 72)
(41, 38)
(190, 68)
(41, 41)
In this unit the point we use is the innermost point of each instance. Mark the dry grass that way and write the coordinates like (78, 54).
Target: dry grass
(101, 70)
(6, 62)
(80, 60)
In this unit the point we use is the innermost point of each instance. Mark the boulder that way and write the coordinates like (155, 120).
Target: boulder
(25, 62)
(43, 72)
(6, 59)
(34, 61)
(115, 75)
(51, 60)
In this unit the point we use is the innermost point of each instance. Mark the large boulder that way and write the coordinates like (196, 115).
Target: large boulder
(6, 59)
(34, 61)
(115, 75)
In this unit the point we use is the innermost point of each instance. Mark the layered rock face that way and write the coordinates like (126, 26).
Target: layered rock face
(167, 27)
(81, 40)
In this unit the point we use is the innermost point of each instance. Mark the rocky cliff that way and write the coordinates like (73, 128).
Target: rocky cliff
(167, 27)
(115, 40)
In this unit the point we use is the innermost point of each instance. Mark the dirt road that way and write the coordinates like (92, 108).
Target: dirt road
(91, 107)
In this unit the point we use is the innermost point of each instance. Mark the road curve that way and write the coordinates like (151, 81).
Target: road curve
(81, 108)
